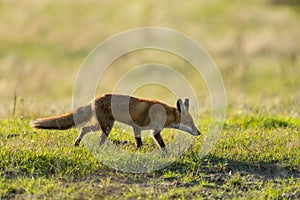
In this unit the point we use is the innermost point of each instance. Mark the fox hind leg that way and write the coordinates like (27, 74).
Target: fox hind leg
(106, 128)
(84, 131)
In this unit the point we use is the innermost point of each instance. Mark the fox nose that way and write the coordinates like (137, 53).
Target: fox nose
(198, 132)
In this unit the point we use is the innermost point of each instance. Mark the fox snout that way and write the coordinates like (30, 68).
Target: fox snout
(195, 132)
(191, 130)
(198, 133)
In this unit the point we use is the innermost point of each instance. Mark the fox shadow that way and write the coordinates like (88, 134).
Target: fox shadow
(217, 169)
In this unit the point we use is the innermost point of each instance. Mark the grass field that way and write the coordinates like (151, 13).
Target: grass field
(256, 46)
(256, 157)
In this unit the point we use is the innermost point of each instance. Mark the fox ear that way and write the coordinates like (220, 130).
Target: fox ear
(187, 104)
(180, 106)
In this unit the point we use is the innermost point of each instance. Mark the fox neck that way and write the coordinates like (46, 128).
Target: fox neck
(174, 119)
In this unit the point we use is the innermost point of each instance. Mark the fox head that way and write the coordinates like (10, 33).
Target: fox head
(186, 121)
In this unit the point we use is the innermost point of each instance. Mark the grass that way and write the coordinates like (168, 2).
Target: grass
(255, 157)
(256, 47)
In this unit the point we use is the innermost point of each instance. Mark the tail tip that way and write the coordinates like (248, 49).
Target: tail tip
(35, 124)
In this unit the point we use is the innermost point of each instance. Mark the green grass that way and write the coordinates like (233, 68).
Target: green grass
(255, 157)
(255, 45)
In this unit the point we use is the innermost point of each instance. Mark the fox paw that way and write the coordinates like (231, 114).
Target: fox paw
(77, 142)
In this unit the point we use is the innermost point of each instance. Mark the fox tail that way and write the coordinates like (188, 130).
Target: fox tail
(64, 121)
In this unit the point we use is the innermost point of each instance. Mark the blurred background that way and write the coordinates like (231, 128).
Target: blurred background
(255, 44)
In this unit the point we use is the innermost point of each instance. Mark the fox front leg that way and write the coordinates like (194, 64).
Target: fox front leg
(157, 137)
(137, 137)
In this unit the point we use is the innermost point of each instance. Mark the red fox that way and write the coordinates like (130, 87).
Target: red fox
(141, 114)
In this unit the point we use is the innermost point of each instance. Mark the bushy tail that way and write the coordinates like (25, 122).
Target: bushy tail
(64, 121)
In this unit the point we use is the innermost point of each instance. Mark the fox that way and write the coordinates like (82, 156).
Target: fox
(141, 114)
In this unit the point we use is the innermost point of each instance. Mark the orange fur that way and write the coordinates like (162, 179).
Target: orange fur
(141, 114)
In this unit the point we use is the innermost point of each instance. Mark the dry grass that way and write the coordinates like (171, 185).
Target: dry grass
(43, 43)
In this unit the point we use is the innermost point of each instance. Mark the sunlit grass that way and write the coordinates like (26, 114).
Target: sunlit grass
(255, 44)
(253, 154)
